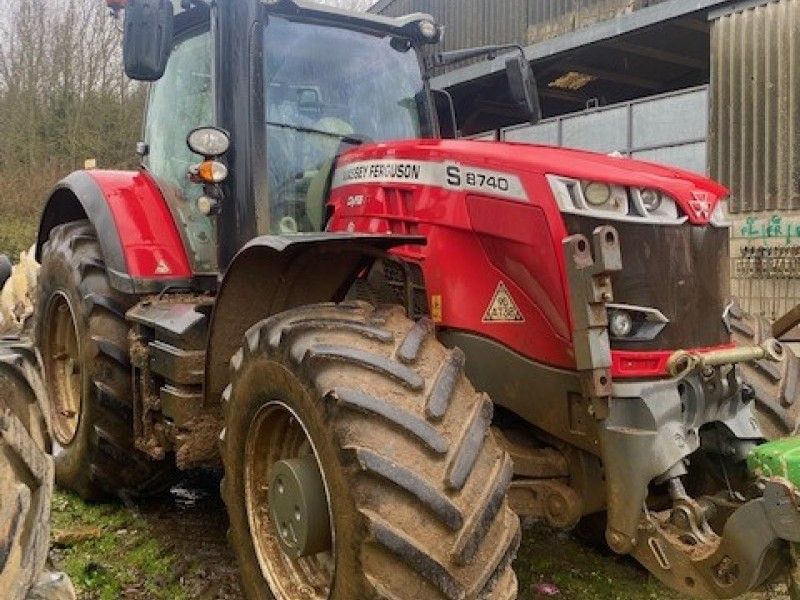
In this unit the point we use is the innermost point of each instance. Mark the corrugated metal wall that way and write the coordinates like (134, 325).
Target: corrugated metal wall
(754, 134)
(471, 22)
(551, 18)
(478, 22)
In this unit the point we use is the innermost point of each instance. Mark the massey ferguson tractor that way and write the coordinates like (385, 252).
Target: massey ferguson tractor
(305, 284)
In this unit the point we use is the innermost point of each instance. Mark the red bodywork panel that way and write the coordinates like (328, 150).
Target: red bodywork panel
(508, 233)
(150, 240)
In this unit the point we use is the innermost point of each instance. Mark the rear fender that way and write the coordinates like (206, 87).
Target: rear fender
(142, 247)
(274, 273)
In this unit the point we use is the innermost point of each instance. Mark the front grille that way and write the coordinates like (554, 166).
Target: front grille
(682, 270)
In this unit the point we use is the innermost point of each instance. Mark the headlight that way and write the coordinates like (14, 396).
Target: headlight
(631, 323)
(428, 30)
(651, 199)
(605, 197)
(620, 323)
(612, 201)
(596, 193)
(653, 203)
(589, 196)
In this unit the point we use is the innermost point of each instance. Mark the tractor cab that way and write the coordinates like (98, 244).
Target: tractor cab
(292, 84)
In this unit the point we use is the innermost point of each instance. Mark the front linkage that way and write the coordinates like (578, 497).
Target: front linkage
(693, 493)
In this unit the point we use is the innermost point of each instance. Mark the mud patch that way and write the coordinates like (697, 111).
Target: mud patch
(169, 548)
(194, 525)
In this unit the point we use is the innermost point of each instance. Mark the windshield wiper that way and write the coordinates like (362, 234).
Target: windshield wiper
(348, 138)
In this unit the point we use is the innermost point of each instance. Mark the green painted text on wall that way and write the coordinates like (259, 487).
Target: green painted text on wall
(774, 227)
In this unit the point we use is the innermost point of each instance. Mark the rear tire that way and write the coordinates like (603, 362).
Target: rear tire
(415, 481)
(83, 337)
(776, 385)
(26, 471)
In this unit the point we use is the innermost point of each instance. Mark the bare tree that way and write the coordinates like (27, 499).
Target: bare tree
(63, 99)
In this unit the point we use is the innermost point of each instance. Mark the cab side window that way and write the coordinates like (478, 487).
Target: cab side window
(179, 102)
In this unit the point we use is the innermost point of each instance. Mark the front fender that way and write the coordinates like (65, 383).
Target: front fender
(274, 273)
(142, 247)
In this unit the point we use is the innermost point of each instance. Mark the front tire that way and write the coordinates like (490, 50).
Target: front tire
(83, 337)
(414, 482)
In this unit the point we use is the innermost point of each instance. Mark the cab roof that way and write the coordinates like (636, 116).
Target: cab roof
(407, 26)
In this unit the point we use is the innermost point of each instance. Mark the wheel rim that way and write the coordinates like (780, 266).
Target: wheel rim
(279, 450)
(62, 363)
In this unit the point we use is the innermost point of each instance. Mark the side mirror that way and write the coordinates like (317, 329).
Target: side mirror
(147, 38)
(522, 84)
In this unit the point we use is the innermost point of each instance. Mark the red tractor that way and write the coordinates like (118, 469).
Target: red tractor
(288, 289)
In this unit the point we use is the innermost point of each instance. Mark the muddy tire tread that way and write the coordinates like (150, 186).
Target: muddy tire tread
(111, 464)
(24, 539)
(458, 477)
(776, 385)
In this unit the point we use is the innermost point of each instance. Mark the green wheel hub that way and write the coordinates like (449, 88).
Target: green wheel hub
(298, 506)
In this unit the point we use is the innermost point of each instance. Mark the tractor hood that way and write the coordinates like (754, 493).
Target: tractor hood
(696, 195)
(491, 212)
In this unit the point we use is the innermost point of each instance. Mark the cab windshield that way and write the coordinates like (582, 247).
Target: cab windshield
(327, 90)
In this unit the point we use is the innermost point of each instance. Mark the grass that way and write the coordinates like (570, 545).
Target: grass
(17, 233)
(123, 561)
(580, 571)
(128, 559)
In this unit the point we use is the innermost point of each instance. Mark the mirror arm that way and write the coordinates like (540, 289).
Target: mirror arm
(452, 106)
(443, 59)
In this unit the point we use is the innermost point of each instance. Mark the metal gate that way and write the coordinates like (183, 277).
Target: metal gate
(669, 129)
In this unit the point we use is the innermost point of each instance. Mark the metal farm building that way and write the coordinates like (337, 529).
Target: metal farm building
(708, 85)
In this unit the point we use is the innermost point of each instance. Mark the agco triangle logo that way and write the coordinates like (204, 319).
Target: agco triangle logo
(502, 308)
(700, 205)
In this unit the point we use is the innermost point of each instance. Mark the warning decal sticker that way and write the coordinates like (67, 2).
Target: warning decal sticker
(502, 308)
